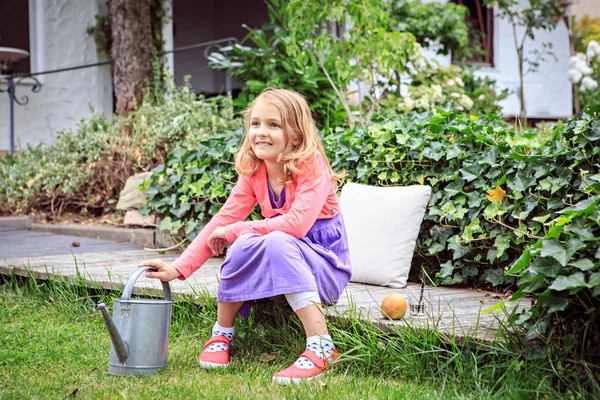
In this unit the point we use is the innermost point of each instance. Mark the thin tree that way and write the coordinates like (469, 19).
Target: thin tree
(533, 16)
(131, 51)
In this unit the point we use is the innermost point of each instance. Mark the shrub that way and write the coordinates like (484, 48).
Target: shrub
(86, 170)
(494, 190)
(562, 268)
(193, 184)
(261, 60)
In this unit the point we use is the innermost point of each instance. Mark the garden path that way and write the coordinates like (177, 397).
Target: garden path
(455, 311)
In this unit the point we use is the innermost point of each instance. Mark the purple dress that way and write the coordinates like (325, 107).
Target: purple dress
(258, 267)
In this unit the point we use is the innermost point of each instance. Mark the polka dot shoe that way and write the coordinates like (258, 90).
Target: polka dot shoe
(215, 352)
(312, 368)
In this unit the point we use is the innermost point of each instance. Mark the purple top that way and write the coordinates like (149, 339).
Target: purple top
(281, 202)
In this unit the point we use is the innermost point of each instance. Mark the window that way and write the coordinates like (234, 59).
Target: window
(480, 21)
(14, 32)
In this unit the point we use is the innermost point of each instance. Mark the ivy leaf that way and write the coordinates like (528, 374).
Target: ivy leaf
(594, 280)
(436, 248)
(521, 262)
(546, 266)
(554, 304)
(522, 181)
(446, 269)
(553, 248)
(501, 244)
(458, 250)
(470, 172)
(583, 264)
(575, 281)
(495, 276)
(573, 246)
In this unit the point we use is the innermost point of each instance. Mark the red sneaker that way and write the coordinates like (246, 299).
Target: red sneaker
(293, 374)
(215, 359)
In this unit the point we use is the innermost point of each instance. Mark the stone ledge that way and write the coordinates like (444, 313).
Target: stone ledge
(142, 237)
(18, 222)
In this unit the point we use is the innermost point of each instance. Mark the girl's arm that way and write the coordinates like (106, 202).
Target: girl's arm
(238, 206)
(312, 189)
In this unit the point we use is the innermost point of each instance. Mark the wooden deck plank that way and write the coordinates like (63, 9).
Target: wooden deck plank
(456, 312)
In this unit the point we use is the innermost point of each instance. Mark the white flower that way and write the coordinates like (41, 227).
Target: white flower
(407, 104)
(574, 75)
(437, 94)
(593, 50)
(577, 59)
(584, 68)
(455, 95)
(465, 101)
(459, 82)
(588, 83)
(450, 82)
(481, 97)
(422, 103)
(460, 108)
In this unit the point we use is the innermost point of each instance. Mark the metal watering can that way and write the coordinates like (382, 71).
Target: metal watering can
(139, 331)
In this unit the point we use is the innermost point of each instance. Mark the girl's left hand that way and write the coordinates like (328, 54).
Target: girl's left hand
(216, 241)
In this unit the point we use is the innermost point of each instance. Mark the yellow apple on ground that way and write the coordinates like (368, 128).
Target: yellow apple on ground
(394, 306)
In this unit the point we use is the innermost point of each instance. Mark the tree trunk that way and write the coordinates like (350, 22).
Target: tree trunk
(131, 51)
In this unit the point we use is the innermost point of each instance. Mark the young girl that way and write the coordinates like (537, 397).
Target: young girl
(299, 250)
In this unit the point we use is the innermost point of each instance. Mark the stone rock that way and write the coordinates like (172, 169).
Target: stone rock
(133, 217)
(131, 197)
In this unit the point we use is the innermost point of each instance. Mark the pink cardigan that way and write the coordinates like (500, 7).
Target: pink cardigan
(311, 196)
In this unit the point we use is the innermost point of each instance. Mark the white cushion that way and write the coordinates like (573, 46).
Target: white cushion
(383, 225)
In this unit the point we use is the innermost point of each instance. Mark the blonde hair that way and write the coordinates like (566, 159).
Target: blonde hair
(298, 126)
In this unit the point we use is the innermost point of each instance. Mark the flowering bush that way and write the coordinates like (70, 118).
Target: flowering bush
(584, 72)
(432, 85)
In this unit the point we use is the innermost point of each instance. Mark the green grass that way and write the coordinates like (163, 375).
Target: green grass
(52, 343)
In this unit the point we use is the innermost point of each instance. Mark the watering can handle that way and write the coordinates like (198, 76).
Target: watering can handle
(131, 282)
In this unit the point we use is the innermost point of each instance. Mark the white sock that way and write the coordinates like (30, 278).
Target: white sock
(321, 345)
(219, 330)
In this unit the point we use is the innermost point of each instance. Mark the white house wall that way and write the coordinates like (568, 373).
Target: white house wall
(548, 92)
(59, 39)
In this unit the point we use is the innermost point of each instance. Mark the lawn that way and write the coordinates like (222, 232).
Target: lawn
(54, 346)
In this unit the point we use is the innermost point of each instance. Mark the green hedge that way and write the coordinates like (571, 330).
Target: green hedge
(508, 209)
(465, 159)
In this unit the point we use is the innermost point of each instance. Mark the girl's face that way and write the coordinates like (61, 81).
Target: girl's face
(266, 132)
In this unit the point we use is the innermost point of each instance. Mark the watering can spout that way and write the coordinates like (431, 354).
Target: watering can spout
(119, 344)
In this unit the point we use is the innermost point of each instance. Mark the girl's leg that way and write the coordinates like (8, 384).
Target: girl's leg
(320, 351)
(226, 313)
(216, 351)
(313, 320)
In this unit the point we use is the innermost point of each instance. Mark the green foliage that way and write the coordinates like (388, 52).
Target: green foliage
(492, 188)
(585, 30)
(193, 184)
(562, 268)
(261, 61)
(366, 53)
(86, 170)
(433, 23)
(43, 176)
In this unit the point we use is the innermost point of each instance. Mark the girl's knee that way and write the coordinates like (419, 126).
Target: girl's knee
(278, 238)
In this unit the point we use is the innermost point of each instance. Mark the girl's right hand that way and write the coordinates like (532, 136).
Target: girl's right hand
(165, 273)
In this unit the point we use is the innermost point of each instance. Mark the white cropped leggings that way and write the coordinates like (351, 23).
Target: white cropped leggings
(300, 300)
